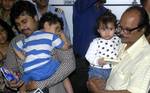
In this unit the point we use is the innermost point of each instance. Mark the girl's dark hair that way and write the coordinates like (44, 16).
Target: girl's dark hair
(8, 29)
(106, 18)
(51, 19)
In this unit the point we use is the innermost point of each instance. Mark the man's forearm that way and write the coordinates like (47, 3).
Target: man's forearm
(114, 91)
(111, 91)
(67, 66)
(98, 85)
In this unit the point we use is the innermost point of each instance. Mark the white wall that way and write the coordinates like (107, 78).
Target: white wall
(68, 13)
(117, 10)
(120, 1)
(107, 1)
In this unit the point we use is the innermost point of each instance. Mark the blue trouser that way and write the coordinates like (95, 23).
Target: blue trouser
(98, 72)
(41, 73)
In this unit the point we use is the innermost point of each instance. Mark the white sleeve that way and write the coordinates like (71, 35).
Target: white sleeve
(90, 54)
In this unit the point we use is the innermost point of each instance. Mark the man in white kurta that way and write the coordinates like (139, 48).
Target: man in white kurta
(133, 73)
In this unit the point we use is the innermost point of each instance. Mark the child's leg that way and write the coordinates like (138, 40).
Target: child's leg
(22, 89)
(27, 87)
(31, 86)
(68, 86)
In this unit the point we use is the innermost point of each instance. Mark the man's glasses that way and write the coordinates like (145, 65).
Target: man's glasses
(127, 30)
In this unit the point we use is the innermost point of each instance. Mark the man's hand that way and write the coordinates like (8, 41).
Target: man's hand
(17, 84)
(14, 84)
(96, 85)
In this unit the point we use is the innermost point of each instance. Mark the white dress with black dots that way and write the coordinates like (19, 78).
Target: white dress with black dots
(101, 48)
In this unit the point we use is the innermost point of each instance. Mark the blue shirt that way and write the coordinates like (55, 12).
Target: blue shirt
(85, 14)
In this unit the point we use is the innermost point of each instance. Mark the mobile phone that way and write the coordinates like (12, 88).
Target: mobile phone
(7, 74)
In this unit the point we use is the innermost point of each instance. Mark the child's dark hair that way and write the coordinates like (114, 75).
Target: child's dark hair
(106, 18)
(51, 19)
(8, 29)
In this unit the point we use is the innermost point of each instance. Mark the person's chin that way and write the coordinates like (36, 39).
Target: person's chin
(27, 34)
(7, 8)
(108, 38)
(3, 40)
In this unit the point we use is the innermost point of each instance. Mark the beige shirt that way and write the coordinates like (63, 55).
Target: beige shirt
(133, 71)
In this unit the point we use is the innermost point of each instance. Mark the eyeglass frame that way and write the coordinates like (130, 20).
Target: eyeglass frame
(129, 30)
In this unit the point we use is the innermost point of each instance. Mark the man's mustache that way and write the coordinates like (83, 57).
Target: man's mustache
(23, 30)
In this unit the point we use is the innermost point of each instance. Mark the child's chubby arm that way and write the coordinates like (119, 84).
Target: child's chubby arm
(22, 89)
(28, 87)
(67, 44)
(101, 61)
(19, 54)
(18, 49)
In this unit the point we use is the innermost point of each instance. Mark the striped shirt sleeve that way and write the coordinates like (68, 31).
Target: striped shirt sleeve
(57, 42)
(19, 45)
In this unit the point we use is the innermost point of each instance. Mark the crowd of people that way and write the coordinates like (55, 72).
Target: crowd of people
(107, 55)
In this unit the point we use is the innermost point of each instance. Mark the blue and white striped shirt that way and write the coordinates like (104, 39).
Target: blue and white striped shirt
(37, 48)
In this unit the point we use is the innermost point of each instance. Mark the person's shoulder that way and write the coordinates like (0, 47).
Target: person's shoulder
(146, 53)
(147, 49)
(18, 37)
(96, 40)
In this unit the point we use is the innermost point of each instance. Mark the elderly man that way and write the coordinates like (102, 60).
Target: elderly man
(25, 19)
(132, 74)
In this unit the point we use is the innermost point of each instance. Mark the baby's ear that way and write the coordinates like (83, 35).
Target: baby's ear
(46, 25)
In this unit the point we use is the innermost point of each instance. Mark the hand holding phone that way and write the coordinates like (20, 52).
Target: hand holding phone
(7, 74)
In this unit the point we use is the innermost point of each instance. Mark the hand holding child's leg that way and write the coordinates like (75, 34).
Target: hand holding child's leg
(22, 89)
(68, 86)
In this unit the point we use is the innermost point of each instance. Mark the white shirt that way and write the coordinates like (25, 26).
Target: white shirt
(101, 48)
(133, 72)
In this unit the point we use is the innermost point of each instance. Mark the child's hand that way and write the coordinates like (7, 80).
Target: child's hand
(58, 32)
(31, 86)
(14, 84)
(101, 61)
